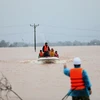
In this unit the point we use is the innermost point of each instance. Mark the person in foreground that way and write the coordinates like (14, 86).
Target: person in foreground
(80, 83)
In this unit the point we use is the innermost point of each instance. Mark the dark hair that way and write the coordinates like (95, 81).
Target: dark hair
(77, 66)
(40, 50)
(46, 43)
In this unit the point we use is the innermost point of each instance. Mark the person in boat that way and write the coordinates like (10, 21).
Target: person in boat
(52, 52)
(80, 83)
(41, 54)
(46, 50)
(56, 54)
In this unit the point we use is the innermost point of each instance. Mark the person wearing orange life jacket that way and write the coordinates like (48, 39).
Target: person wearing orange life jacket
(80, 83)
(41, 54)
(52, 52)
(46, 50)
(56, 54)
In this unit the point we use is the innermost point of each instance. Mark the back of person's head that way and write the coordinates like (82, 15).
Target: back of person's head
(52, 49)
(40, 50)
(55, 51)
(46, 43)
(77, 62)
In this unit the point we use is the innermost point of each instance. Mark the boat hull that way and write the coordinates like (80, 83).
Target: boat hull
(48, 59)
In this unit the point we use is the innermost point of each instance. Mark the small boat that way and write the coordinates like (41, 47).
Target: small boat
(48, 59)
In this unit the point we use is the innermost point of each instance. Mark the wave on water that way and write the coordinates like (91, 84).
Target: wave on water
(41, 62)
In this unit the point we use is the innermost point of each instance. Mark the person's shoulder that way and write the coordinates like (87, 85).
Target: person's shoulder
(84, 72)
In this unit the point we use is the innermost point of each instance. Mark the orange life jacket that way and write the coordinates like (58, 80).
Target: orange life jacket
(76, 78)
(45, 48)
(41, 54)
(51, 53)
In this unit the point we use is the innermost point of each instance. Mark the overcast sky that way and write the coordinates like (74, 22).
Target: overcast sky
(59, 20)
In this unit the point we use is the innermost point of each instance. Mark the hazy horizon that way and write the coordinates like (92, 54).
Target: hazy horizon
(65, 20)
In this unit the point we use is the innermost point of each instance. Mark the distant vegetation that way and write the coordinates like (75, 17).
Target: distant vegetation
(3, 43)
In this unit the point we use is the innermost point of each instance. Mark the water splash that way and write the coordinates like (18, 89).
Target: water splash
(41, 62)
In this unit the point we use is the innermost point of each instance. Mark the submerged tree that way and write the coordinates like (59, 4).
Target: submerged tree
(6, 92)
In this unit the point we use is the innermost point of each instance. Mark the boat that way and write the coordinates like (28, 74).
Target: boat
(48, 55)
(48, 59)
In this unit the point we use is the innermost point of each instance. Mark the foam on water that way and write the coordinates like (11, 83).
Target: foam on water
(40, 62)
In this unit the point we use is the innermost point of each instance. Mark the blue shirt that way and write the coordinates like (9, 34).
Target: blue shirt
(84, 92)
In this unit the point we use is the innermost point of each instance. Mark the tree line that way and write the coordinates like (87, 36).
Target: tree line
(3, 43)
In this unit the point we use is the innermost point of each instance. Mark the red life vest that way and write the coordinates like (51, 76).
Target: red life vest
(45, 48)
(56, 55)
(41, 54)
(76, 78)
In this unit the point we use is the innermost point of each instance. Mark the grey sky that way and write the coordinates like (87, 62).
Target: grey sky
(59, 20)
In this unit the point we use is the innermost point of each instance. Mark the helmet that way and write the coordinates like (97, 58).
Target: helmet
(77, 61)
